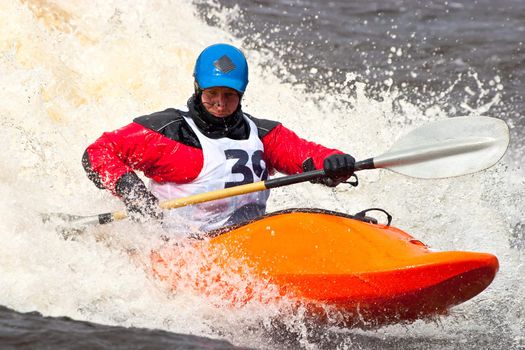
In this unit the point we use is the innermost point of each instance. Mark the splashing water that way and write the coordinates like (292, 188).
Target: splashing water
(71, 71)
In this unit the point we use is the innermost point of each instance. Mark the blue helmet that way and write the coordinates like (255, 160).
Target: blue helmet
(221, 65)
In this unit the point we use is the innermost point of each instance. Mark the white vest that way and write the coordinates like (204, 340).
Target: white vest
(226, 163)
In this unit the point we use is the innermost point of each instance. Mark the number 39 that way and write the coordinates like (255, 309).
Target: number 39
(240, 167)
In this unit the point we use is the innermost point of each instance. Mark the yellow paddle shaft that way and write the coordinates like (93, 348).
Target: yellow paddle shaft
(203, 197)
(213, 195)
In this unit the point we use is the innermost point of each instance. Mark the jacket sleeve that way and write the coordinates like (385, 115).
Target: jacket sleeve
(286, 152)
(115, 154)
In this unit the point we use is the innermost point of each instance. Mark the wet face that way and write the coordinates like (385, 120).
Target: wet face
(220, 101)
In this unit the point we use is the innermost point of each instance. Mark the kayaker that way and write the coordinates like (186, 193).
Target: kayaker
(208, 144)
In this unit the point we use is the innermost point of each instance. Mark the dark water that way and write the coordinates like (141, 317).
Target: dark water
(32, 331)
(453, 54)
(457, 55)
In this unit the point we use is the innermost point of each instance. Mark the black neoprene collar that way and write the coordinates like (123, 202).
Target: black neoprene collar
(233, 126)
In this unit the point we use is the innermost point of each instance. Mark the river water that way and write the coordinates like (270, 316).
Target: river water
(347, 74)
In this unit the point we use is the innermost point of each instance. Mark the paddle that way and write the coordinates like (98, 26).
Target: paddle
(446, 148)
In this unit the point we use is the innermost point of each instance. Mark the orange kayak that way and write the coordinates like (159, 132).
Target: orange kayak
(372, 274)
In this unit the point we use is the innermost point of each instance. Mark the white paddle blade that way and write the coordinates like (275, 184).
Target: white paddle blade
(449, 147)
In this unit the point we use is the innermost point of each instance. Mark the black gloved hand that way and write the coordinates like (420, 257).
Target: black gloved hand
(141, 204)
(143, 208)
(338, 168)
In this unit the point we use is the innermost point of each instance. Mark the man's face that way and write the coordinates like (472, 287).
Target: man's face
(220, 101)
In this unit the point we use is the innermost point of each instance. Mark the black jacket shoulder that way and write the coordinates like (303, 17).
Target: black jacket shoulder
(171, 124)
(264, 126)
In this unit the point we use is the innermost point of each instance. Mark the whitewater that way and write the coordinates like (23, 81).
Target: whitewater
(72, 70)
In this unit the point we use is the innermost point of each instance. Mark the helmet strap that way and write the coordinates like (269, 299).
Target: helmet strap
(197, 88)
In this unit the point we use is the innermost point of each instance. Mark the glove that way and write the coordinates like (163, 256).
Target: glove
(143, 208)
(338, 168)
(140, 203)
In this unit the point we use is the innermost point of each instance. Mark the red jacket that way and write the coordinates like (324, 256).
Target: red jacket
(165, 149)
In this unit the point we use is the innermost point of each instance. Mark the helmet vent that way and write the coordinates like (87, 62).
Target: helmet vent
(224, 64)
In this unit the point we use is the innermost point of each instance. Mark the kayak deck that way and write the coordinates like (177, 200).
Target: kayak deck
(374, 274)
